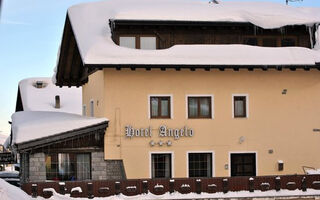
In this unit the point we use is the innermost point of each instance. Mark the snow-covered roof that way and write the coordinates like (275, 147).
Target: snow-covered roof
(43, 99)
(89, 22)
(32, 125)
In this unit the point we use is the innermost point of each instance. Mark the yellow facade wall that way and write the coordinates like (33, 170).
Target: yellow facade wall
(278, 122)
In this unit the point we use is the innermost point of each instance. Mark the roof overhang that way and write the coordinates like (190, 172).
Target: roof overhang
(129, 22)
(70, 68)
(163, 67)
(61, 137)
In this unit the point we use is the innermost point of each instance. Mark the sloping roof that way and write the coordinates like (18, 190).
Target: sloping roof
(32, 125)
(87, 43)
(93, 36)
(43, 99)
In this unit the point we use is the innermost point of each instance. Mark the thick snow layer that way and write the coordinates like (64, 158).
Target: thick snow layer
(10, 192)
(43, 99)
(31, 125)
(313, 171)
(90, 25)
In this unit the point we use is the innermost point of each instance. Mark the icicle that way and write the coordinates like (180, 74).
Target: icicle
(310, 35)
(317, 37)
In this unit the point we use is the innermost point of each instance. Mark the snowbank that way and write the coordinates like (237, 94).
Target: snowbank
(31, 125)
(10, 192)
(43, 99)
(90, 25)
(313, 171)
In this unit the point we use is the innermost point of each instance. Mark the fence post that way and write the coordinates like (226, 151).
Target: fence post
(62, 188)
(198, 186)
(117, 187)
(277, 183)
(304, 184)
(90, 191)
(34, 190)
(171, 186)
(251, 184)
(145, 187)
(225, 184)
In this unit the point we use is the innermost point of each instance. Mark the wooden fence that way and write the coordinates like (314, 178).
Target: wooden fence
(130, 187)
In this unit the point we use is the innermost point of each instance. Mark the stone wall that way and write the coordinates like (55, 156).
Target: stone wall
(101, 169)
(37, 167)
(106, 169)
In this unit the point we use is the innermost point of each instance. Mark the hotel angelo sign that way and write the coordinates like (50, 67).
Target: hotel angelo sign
(163, 131)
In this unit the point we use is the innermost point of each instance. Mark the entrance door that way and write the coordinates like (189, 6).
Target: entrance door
(243, 164)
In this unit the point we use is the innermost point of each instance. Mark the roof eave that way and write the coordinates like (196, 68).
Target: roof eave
(61, 137)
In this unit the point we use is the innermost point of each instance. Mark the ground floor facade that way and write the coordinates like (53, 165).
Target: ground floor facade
(169, 123)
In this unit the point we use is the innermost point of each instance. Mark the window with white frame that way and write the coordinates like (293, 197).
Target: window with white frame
(200, 164)
(243, 164)
(199, 107)
(161, 166)
(160, 107)
(148, 43)
(240, 106)
(129, 42)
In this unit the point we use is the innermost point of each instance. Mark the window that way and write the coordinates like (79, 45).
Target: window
(239, 106)
(243, 164)
(269, 42)
(199, 107)
(200, 164)
(148, 43)
(288, 42)
(160, 107)
(68, 166)
(129, 42)
(91, 108)
(161, 165)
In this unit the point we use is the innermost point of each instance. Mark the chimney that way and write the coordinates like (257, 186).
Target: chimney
(57, 105)
(39, 84)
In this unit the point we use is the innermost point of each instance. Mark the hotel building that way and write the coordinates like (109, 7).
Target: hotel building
(198, 89)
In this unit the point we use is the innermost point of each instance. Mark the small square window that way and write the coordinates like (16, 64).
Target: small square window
(239, 106)
(148, 43)
(129, 42)
(160, 107)
(199, 107)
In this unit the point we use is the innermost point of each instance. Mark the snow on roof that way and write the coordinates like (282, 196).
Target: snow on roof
(31, 125)
(90, 25)
(313, 171)
(6, 143)
(43, 99)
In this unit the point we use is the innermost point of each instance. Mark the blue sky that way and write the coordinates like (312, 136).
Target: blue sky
(30, 34)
